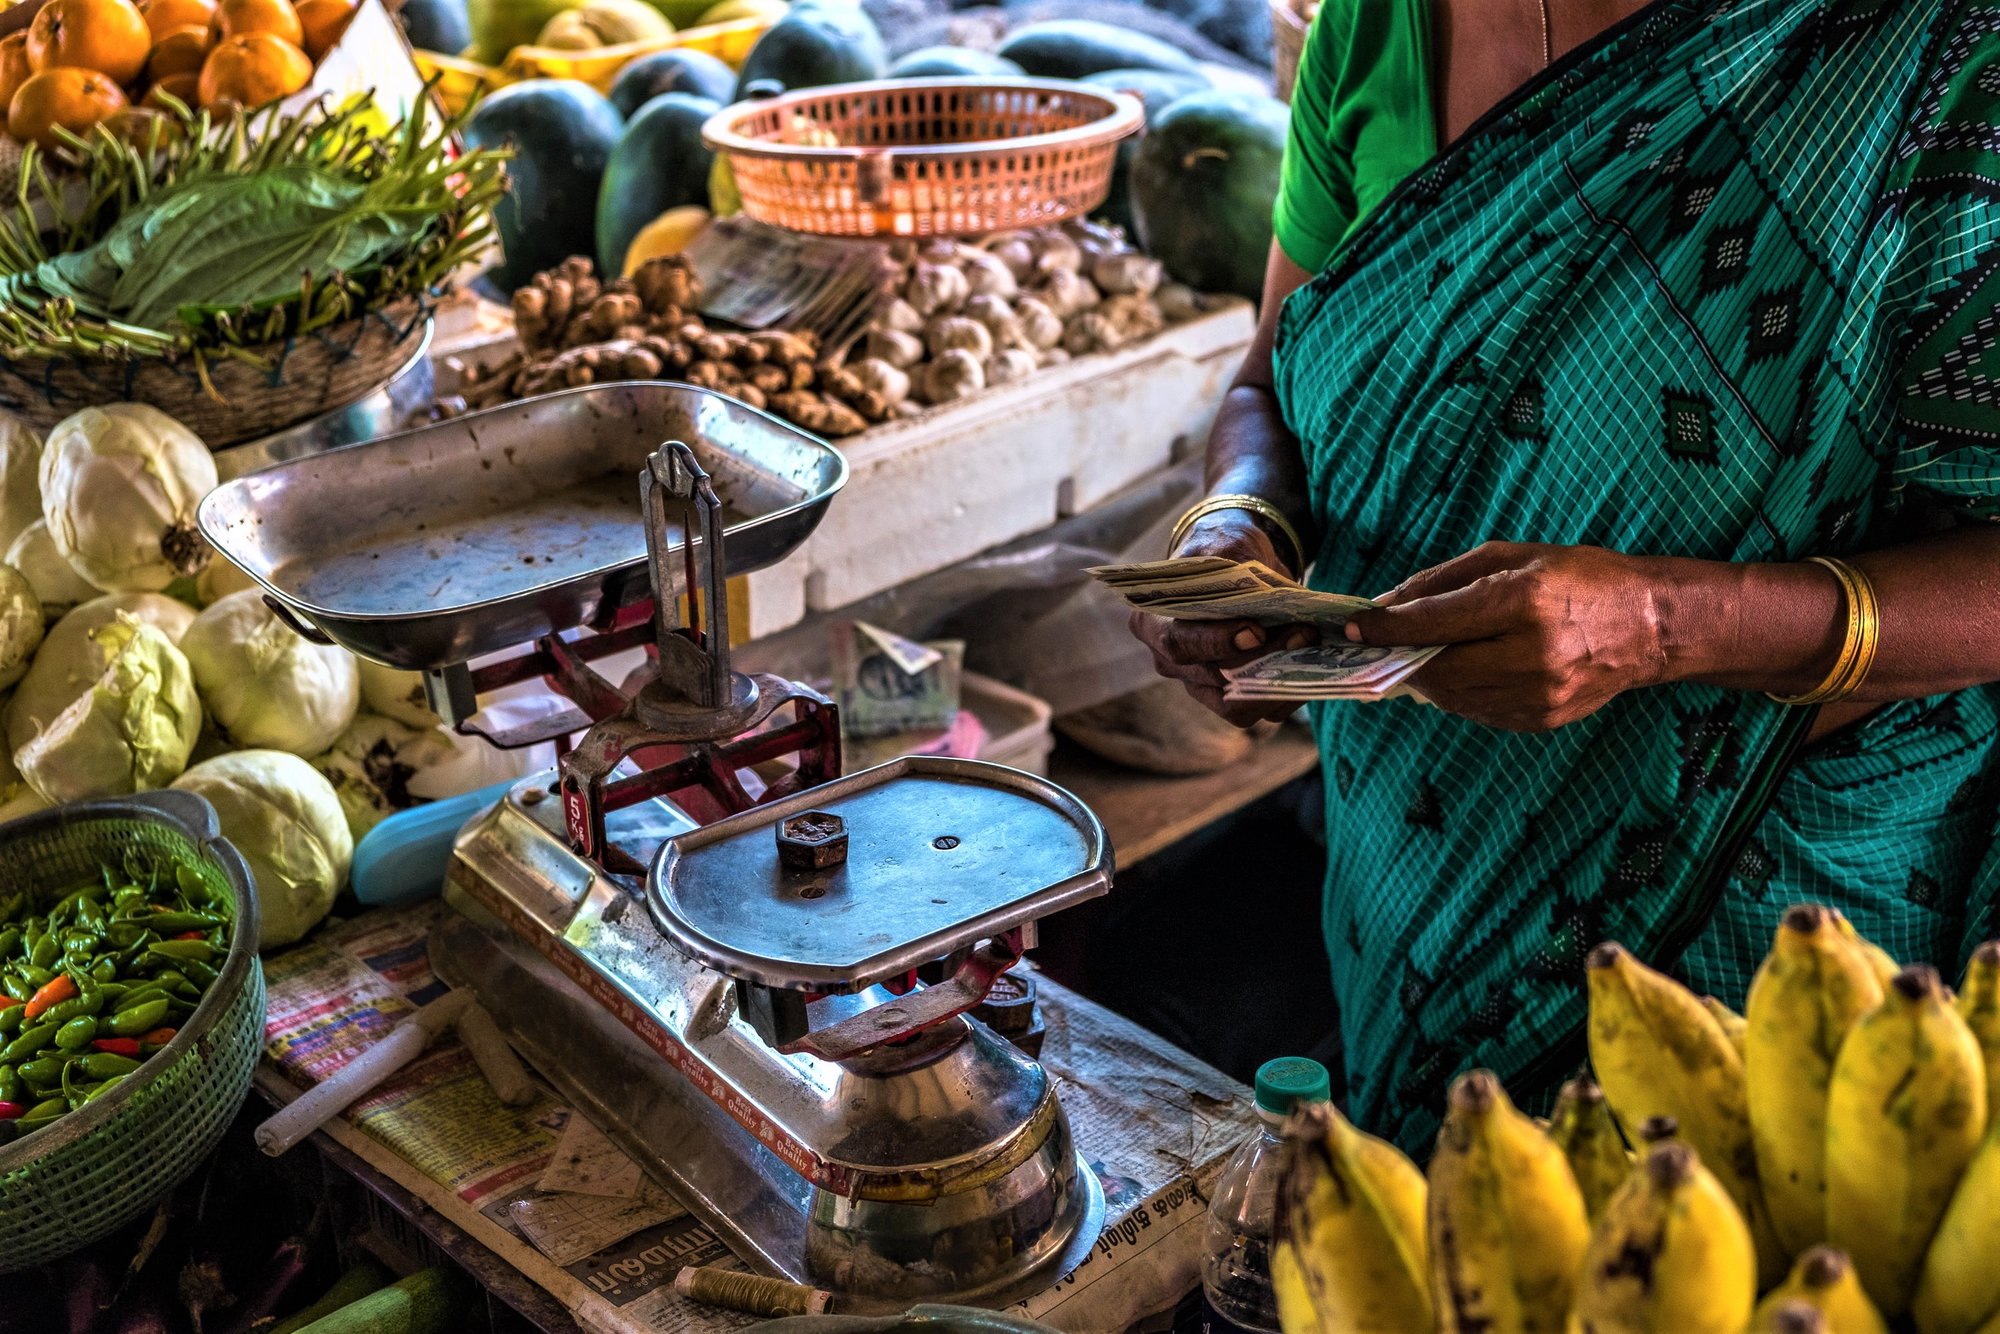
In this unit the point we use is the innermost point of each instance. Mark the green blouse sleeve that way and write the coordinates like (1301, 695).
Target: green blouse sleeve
(1361, 121)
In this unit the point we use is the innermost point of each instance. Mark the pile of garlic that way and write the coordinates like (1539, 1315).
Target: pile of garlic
(955, 318)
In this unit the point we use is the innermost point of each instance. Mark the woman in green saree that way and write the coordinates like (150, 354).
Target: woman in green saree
(1713, 291)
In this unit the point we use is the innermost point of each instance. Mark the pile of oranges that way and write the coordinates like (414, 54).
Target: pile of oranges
(84, 62)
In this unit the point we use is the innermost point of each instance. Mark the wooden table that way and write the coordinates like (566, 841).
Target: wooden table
(1144, 813)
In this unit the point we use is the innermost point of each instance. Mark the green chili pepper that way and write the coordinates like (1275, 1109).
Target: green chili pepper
(105, 1064)
(29, 1042)
(90, 915)
(43, 1070)
(200, 973)
(104, 1088)
(44, 951)
(36, 975)
(180, 951)
(10, 940)
(173, 923)
(41, 1114)
(141, 1018)
(77, 1033)
(10, 1084)
(16, 986)
(138, 994)
(12, 1018)
(76, 1007)
(105, 970)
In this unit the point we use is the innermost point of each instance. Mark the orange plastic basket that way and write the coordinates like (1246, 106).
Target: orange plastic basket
(925, 157)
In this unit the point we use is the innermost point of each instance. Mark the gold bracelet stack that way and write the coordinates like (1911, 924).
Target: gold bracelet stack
(1857, 648)
(1256, 505)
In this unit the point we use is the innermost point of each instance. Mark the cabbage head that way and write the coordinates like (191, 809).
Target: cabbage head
(20, 625)
(55, 582)
(396, 694)
(131, 731)
(70, 661)
(265, 685)
(20, 492)
(218, 579)
(120, 486)
(283, 816)
(373, 764)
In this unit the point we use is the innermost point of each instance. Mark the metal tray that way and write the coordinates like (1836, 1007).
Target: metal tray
(942, 854)
(439, 545)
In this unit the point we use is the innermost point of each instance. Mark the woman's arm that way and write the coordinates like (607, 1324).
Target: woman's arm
(1249, 452)
(1546, 635)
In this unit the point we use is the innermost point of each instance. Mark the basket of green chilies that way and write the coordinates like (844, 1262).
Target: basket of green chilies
(131, 926)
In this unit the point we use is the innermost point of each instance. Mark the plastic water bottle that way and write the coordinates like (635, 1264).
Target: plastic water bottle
(1236, 1256)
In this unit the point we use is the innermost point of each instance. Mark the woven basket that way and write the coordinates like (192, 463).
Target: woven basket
(99, 1167)
(1288, 43)
(925, 157)
(309, 376)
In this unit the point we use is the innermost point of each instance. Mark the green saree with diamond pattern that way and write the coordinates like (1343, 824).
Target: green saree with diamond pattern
(1724, 283)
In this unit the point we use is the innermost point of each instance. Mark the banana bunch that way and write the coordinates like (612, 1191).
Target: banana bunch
(1830, 1148)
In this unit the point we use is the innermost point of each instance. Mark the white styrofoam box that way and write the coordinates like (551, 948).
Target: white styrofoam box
(931, 491)
(1016, 723)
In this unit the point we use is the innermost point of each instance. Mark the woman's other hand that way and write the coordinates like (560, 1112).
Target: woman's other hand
(1541, 635)
(1196, 652)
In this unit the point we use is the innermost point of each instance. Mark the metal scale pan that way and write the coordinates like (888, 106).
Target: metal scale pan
(435, 546)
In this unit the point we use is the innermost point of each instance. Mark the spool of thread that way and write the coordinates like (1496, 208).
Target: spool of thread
(751, 1294)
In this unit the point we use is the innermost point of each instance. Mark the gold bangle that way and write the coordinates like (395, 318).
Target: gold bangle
(1256, 505)
(1857, 649)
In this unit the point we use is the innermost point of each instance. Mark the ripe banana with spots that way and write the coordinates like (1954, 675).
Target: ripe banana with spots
(1348, 1256)
(1672, 1254)
(1882, 962)
(1979, 1006)
(1790, 1317)
(1733, 1025)
(1958, 1289)
(1508, 1226)
(1582, 1127)
(1905, 1114)
(1659, 1052)
(1814, 986)
(1823, 1281)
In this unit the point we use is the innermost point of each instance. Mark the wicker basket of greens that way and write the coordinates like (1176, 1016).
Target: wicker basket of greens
(131, 1012)
(240, 272)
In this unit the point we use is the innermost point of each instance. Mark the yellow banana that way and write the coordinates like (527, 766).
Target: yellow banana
(1812, 988)
(1959, 1287)
(1824, 1281)
(1672, 1254)
(1507, 1224)
(1348, 1256)
(1979, 1006)
(1905, 1114)
(1582, 1128)
(1659, 1052)
(1734, 1026)
(1790, 1317)
(1879, 960)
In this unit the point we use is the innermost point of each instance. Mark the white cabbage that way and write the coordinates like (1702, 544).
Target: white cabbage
(373, 765)
(264, 684)
(218, 579)
(131, 731)
(54, 580)
(396, 694)
(283, 816)
(20, 492)
(70, 661)
(120, 485)
(20, 625)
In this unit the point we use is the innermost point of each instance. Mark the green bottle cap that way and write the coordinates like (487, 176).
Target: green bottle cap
(1290, 1080)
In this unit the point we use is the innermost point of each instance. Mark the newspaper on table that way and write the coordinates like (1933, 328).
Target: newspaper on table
(547, 1192)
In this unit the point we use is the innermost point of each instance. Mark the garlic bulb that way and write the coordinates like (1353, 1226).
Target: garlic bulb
(20, 491)
(20, 625)
(1041, 328)
(1011, 365)
(954, 375)
(120, 485)
(896, 313)
(1127, 274)
(1179, 302)
(987, 276)
(1055, 253)
(998, 317)
(1090, 332)
(950, 332)
(895, 347)
(1014, 249)
(54, 580)
(878, 376)
(1067, 292)
(935, 288)
(1134, 317)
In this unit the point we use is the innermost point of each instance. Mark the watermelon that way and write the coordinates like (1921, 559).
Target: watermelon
(951, 62)
(1203, 184)
(1075, 48)
(1158, 89)
(562, 132)
(436, 25)
(816, 44)
(672, 71)
(660, 164)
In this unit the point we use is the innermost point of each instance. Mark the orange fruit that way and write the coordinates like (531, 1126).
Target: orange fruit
(186, 87)
(180, 51)
(74, 99)
(14, 67)
(163, 16)
(324, 21)
(253, 70)
(109, 36)
(241, 18)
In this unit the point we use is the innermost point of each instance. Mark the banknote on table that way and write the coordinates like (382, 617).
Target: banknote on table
(1215, 588)
(1328, 671)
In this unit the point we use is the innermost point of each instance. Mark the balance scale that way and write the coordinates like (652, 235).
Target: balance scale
(764, 999)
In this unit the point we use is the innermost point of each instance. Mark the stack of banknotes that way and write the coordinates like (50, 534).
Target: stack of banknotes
(1215, 588)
